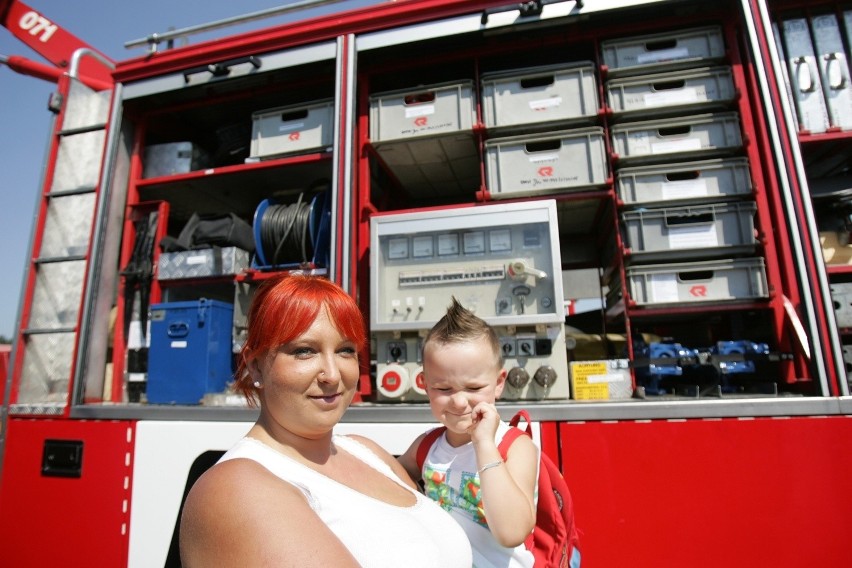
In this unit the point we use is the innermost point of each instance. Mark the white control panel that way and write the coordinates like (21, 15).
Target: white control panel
(501, 261)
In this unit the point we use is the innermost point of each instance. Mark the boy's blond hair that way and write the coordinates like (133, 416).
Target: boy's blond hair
(459, 325)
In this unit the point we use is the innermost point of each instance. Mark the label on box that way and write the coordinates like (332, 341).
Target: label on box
(545, 103)
(670, 146)
(592, 379)
(673, 97)
(663, 288)
(419, 111)
(700, 236)
(684, 189)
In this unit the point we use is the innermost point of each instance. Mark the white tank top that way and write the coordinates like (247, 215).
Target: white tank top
(376, 533)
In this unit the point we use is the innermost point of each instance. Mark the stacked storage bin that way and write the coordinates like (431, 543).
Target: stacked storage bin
(684, 189)
(425, 137)
(686, 219)
(540, 134)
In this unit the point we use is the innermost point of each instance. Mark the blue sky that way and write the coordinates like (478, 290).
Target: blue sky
(25, 122)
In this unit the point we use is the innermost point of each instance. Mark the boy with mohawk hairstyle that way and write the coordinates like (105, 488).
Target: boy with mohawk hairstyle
(493, 500)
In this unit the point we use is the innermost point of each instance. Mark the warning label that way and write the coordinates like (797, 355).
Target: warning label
(598, 380)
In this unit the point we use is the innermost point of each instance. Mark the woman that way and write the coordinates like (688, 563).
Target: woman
(292, 493)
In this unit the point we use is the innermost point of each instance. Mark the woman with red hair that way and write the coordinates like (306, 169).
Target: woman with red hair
(293, 493)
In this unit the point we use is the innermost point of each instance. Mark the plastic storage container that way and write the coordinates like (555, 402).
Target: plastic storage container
(549, 94)
(546, 163)
(292, 129)
(422, 111)
(694, 231)
(190, 351)
(677, 138)
(684, 182)
(725, 280)
(677, 49)
(674, 92)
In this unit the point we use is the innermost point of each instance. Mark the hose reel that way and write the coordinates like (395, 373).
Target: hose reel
(293, 235)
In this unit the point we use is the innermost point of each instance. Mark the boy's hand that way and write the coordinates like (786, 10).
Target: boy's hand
(485, 420)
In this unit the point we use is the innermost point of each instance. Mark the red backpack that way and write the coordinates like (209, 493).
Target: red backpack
(554, 541)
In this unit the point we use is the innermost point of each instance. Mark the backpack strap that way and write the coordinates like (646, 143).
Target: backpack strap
(514, 432)
(426, 444)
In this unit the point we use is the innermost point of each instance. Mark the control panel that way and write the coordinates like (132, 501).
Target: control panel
(500, 261)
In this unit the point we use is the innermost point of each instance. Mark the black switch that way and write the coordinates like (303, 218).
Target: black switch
(62, 458)
(543, 346)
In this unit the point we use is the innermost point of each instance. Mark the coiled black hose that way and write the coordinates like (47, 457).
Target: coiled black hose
(285, 229)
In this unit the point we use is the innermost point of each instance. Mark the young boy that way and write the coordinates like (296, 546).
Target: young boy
(494, 501)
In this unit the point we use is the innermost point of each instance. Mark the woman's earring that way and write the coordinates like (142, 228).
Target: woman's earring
(256, 384)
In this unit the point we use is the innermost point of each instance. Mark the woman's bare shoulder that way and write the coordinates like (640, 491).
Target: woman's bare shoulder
(235, 492)
(236, 513)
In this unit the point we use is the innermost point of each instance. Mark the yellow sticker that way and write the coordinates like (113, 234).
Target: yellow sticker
(589, 390)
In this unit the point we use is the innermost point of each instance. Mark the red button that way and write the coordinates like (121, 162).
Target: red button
(391, 381)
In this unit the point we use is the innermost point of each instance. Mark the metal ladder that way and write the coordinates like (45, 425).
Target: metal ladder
(49, 322)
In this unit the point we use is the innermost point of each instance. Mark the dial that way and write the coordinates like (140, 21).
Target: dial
(474, 242)
(448, 244)
(422, 247)
(397, 248)
(500, 240)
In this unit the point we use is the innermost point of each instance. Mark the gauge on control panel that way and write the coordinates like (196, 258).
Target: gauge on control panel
(397, 248)
(422, 247)
(474, 242)
(500, 240)
(448, 244)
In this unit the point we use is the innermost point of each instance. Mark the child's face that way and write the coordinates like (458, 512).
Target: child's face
(458, 376)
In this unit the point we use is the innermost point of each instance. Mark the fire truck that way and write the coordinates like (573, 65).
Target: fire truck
(649, 200)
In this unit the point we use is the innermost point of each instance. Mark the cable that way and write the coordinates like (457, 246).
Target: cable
(285, 229)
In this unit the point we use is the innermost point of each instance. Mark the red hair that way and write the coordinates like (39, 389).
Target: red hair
(283, 308)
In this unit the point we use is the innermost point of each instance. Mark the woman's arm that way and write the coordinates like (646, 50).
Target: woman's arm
(239, 514)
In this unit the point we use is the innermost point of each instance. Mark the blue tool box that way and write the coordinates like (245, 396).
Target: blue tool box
(191, 352)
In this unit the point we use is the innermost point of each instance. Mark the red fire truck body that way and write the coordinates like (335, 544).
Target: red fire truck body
(683, 164)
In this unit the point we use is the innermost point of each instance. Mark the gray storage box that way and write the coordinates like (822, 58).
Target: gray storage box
(694, 231)
(202, 263)
(841, 297)
(173, 158)
(422, 111)
(677, 138)
(549, 94)
(292, 129)
(670, 50)
(677, 91)
(684, 182)
(705, 282)
(546, 163)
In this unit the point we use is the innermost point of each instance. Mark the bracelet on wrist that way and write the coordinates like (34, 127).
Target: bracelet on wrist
(489, 466)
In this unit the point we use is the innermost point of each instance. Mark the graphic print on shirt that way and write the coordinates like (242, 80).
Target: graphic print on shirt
(465, 498)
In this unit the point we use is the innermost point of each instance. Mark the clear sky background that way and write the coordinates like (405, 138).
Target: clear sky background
(25, 121)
